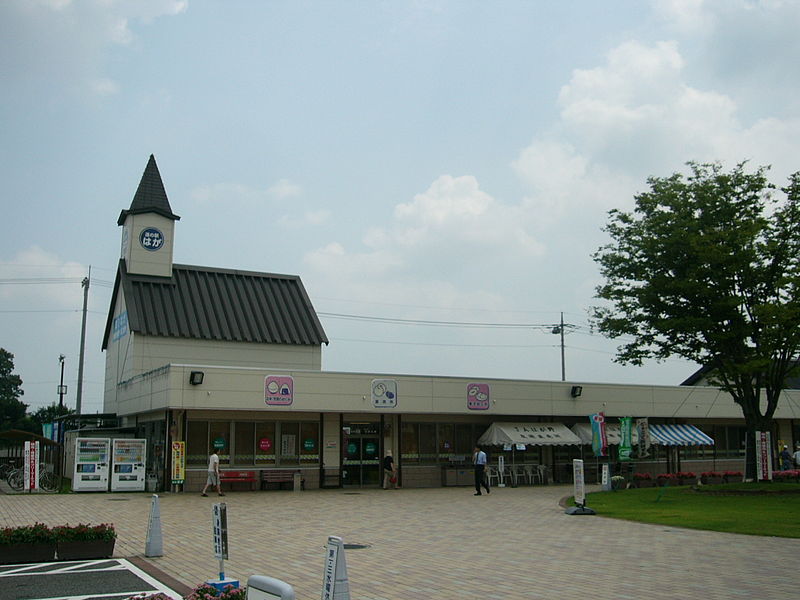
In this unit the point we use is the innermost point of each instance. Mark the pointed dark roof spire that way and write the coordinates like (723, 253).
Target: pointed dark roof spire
(150, 196)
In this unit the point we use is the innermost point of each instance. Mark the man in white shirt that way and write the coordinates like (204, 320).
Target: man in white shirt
(797, 456)
(479, 462)
(213, 474)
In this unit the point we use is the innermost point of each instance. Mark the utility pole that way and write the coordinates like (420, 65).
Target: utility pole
(559, 329)
(563, 365)
(85, 286)
(62, 389)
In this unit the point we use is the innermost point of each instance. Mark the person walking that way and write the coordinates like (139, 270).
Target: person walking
(389, 471)
(479, 462)
(797, 456)
(786, 459)
(213, 474)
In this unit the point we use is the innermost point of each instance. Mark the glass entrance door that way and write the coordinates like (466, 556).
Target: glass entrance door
(361, 458)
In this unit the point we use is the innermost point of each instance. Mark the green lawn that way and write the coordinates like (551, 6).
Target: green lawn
(768, 514)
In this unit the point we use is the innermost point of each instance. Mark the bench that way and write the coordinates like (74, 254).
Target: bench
(238, 477)
(280, 477)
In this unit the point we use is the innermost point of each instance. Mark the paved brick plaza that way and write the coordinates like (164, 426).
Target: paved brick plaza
(436, 543)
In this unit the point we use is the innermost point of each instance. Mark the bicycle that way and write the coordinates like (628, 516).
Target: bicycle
(48, 481)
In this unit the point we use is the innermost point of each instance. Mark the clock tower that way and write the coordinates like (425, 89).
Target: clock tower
(148, 227)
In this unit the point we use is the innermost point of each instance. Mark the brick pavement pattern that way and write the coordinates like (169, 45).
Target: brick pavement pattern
(444, 543)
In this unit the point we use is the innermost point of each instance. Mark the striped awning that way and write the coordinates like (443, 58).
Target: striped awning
(679, 435)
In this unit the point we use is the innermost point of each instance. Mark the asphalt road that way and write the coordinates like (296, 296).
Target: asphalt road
(112, 579)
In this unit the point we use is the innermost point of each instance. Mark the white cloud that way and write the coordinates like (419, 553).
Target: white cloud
(284, 189)
(54, 287)
(63, 44)
(104, 87)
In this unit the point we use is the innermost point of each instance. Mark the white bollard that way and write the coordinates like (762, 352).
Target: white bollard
(154, 545)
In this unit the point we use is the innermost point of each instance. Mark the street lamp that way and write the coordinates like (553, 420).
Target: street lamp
(62, 389)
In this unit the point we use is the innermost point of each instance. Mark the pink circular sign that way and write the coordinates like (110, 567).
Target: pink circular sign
(265, 444)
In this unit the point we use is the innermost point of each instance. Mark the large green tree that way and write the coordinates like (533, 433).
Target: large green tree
(706, 267)
(12, 409)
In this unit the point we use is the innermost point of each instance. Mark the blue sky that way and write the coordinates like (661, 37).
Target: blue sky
(437, 161)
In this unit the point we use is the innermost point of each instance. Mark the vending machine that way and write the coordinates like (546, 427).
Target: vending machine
(128, 465)
(91, 464)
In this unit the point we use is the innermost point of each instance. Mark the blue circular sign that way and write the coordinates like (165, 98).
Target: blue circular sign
(151, 239)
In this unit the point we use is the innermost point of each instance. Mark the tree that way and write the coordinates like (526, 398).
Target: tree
(707, 268)
(12, 409)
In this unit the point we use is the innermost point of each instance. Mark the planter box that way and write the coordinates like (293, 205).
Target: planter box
(84, 550)
(27, 553)
(713, 480)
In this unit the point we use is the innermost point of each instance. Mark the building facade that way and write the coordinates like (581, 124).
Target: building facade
(227, 359)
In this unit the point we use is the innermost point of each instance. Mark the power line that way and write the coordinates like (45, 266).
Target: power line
(434, 323)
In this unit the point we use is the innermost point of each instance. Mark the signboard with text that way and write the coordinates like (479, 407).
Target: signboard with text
(178, 463)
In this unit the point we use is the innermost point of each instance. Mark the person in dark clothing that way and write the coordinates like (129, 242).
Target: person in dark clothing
(389, 471)
(479, 462)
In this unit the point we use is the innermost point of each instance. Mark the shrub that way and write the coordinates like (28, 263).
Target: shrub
(668, 476)
(685, 475)
(38, 533)
(785, 475)
(732, 473)
(710, 474)
(85, 533)
(642, 477)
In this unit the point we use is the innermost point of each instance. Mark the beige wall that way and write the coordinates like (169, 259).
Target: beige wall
(147, 262)
(232, 388)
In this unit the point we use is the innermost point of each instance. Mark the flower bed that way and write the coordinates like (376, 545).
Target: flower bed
(732, 476)
(29, 543)
(81, 541)
(40, 543)
(667, 479)
(202, 592)
(712, 477)
(642, 480)
(786, 476)
(686, 477)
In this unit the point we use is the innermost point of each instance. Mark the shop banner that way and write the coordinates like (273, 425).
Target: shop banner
(763, 456)
(220, 530)
(625, 446)
(599, 439)
(643, 429)
(577, 478)
(31, 472)
(178, 463)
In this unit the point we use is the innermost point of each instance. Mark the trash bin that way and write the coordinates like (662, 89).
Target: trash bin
(298, 481)
(151, 483)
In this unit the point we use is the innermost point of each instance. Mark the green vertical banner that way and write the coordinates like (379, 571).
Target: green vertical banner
(625, 445)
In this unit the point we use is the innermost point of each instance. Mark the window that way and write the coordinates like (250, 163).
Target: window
(309, 442)
(197, 443)
(427, 443)
(220, 438)
(446, 441)
(244, 446)
(465, 440)
(288, 454)
(409, 444)
(265, 443)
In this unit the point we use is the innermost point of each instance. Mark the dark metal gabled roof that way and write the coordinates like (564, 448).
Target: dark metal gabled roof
(218, 304)
(150, 196)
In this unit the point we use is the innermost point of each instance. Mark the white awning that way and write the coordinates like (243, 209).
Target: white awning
(530, 434)
(584, 432)
(679, 435)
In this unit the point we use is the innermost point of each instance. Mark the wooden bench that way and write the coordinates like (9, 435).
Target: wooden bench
(280, 477)
(238, 477)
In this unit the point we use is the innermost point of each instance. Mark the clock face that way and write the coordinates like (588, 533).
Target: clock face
(151, 239)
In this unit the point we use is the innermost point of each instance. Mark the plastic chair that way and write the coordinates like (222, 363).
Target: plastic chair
(519, 474)
(534, 473)
(493, 476)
